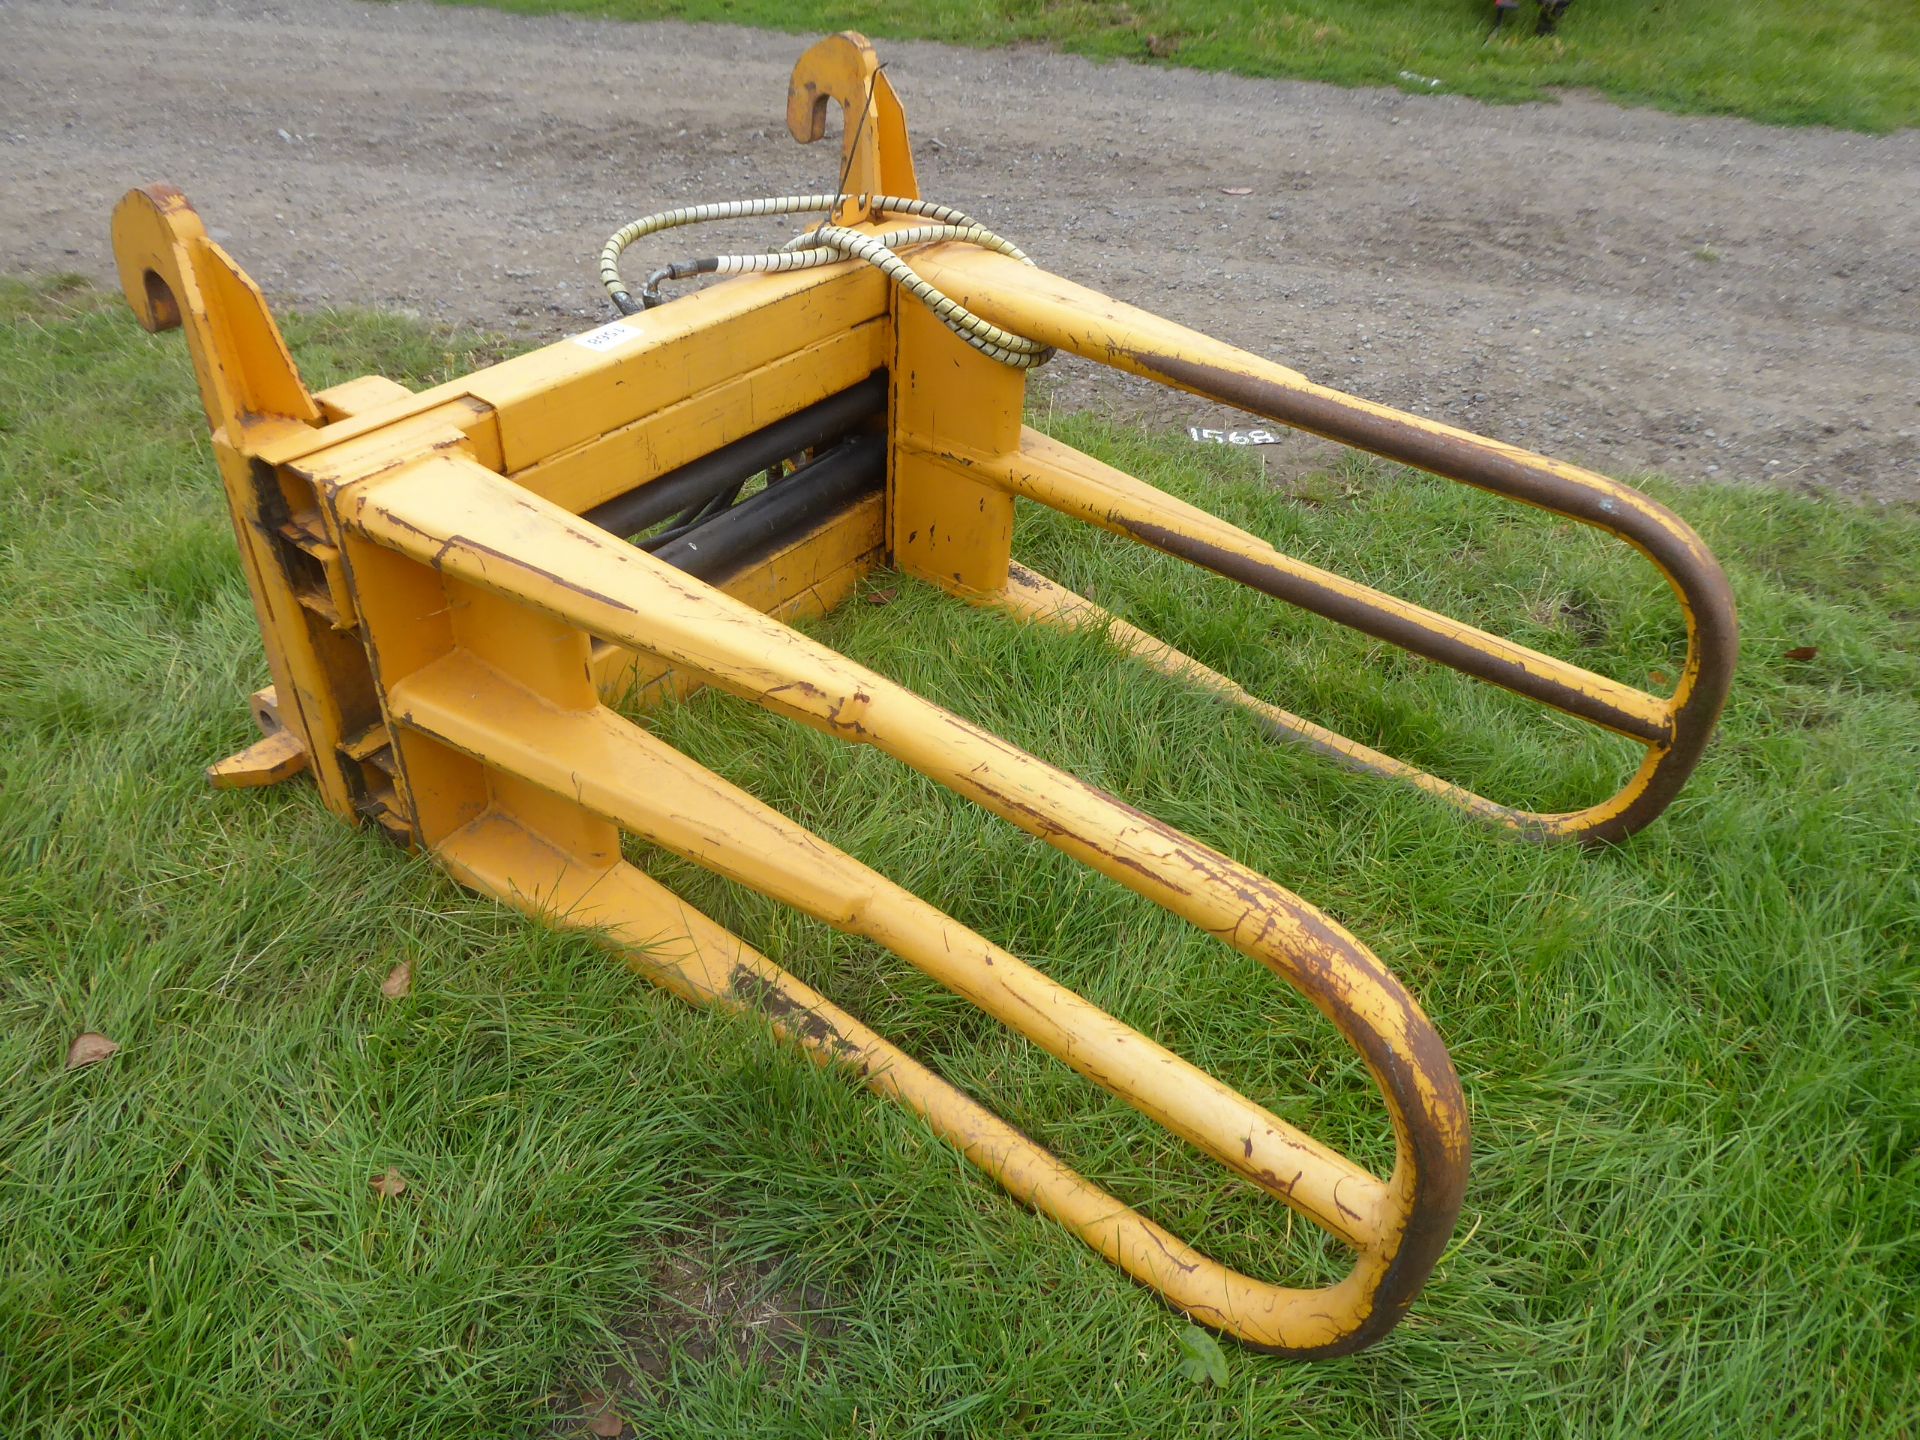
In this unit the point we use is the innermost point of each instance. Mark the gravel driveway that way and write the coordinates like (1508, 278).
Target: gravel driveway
(1621, 287)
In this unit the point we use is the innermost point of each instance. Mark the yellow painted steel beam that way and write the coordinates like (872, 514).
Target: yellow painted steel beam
(627, 456)
(569, 394)
(685, 952)
(1084, 322)
(943, 526)
(1060, 477)
(553, 405)
(617, 771)
(1031, 596)
(476, 530)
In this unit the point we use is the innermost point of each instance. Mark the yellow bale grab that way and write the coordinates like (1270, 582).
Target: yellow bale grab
(450, 591)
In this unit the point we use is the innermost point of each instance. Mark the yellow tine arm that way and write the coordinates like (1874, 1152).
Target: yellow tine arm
(467, 522)
(620, 772)
(684, 951)
(1032, 596)
(1084, 322)
(1062, 478)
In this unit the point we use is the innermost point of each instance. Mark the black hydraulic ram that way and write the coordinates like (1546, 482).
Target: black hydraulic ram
(721, 547)
(699, 482)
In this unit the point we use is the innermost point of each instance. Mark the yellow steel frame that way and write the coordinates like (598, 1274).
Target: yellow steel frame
(443, 631)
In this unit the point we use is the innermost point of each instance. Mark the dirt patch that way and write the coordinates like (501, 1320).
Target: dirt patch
(1625, 288)
(701, 1307)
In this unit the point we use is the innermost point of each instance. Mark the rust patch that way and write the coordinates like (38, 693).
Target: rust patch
(756, 992)
(1274, 1182)
(1341, 1205)
(1185, 1267)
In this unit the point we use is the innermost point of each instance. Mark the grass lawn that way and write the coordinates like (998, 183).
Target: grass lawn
(1693, 1062)
(1850, 63)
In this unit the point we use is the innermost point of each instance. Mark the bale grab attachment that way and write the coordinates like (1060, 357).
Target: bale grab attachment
(449, 594)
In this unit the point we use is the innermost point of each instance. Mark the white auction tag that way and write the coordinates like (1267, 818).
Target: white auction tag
(608, 337)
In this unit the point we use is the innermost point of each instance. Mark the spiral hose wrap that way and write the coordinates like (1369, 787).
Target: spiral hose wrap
(827, 245)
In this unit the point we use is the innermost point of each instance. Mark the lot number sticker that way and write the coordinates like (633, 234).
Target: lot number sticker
(608, 337)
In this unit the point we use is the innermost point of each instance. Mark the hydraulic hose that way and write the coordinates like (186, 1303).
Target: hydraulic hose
(827, 245)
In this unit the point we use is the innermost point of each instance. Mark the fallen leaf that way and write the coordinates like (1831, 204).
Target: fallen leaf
(603, 1420)
(399, 982)
(390, 1184)
(89, 1048)
(1803, 652)
(881, 597)
(1201, 1358)
(1659, 677)
(1238, 190)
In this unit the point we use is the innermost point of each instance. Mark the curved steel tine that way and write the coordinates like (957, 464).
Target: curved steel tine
(1069, 317)
(504, 540)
